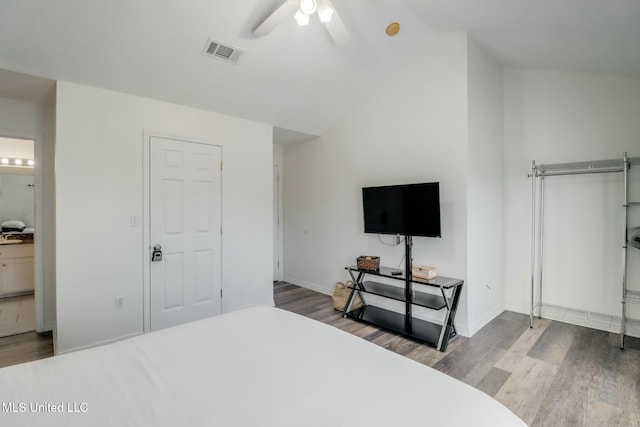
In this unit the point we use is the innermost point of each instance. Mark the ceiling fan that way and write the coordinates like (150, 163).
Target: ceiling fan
(324, 9)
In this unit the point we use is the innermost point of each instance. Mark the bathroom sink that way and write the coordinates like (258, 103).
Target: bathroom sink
(10, 242)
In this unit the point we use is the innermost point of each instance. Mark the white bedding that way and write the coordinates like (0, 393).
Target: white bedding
(256, 367)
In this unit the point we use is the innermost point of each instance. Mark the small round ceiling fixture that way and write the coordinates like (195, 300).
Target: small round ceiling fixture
(393, 29)
(308, 7)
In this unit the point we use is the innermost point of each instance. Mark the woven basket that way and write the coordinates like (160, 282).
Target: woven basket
(341, 296)
(371, 263)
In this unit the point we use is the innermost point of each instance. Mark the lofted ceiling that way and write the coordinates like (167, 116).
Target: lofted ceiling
(24, 87)
(295, 77)
(594, 36)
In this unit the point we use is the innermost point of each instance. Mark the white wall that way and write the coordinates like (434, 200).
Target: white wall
(99, 186)
(484, 188)
(36, 121)
(413, 129)
(555, 117)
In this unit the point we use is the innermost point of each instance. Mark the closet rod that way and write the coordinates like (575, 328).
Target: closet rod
(579, 172)
(588, 165)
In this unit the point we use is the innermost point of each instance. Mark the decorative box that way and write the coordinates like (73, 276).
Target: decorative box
(371, 263)
(424, 272)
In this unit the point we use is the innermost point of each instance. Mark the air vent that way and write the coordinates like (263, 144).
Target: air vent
(218, 50)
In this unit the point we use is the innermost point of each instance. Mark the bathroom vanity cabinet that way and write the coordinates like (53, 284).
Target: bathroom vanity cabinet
(16, 269)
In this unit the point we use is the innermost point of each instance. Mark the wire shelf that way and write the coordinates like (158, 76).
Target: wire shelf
(575, 168)
(595, 166)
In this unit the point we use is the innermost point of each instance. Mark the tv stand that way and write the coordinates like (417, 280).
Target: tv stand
(414, 294)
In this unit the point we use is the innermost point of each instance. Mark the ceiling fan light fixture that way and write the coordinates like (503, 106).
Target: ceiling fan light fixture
(325, 11)
(301, 18)
(308, 7)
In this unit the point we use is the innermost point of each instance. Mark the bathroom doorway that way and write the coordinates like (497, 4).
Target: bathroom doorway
(17, 236)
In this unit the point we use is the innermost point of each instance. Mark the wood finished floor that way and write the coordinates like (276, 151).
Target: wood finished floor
(553, 375)
(25, 348)
(18, 341)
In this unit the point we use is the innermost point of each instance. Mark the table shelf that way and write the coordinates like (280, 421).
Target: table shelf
(412, 294)
(422, 299)
(421, 330)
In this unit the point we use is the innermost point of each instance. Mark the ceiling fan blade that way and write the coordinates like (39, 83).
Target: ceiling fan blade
(336, 27)
(271, 21)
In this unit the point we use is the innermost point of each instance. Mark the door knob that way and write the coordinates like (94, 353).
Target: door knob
(156, 255)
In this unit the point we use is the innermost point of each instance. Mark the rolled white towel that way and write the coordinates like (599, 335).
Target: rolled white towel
(13, 225)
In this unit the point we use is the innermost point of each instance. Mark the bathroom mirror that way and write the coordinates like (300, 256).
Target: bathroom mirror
(17, 193)
(17, 198)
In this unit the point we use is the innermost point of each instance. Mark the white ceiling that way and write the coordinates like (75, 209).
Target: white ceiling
(296, 78)
(597, 36)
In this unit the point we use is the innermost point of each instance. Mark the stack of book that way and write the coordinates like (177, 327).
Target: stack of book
(423, 272)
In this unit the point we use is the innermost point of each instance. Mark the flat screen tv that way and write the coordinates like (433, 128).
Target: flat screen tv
(410, 210)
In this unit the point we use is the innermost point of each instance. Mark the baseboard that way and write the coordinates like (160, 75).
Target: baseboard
(98, 344)
(518, 308)
(463, 331)
(312, 286)
(602, 322)
(48, 326)
(482, 322)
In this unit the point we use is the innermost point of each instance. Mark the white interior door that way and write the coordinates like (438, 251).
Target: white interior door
(276, 223)
(185, 220)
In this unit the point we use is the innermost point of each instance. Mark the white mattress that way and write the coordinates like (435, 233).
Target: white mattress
(256, 367)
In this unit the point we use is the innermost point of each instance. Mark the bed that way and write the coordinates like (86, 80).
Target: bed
(255, 367)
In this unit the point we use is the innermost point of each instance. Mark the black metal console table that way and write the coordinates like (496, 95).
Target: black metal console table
(438, 335)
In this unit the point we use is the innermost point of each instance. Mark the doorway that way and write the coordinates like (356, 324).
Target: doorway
(184, 231)
(276, 223)
(18, 299)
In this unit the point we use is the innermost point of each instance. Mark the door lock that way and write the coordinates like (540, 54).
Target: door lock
(156, 255)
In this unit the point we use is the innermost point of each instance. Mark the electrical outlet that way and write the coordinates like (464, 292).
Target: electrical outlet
(119, 303)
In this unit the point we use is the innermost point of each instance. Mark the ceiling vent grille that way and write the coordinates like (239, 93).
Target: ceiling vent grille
(218, 50)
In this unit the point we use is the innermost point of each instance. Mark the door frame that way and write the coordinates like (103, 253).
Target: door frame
(278, 187)
(146, 215)
(38, 219)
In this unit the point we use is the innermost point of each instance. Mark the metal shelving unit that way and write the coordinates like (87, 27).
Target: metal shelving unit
(413, 294)
(540, 172)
